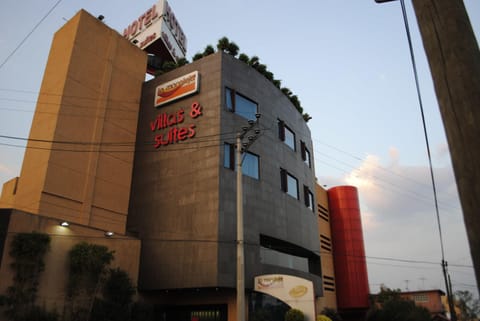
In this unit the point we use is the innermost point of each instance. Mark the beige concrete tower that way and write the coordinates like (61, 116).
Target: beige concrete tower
(329, 298)
(79, 158)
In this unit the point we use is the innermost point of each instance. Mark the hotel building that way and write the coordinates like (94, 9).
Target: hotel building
(148, 169)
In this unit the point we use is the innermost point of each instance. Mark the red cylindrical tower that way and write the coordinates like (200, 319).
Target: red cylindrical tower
(348, 249)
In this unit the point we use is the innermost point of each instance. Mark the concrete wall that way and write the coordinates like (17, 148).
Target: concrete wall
(329, 298)
(53, 280)
(9, 189)
(175, 189)
(79, 159)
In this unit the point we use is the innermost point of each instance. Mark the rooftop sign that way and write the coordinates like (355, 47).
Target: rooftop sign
(158, 25)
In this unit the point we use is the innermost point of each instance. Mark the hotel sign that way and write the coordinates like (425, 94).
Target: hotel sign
(177, 126)
(158, 23)
(176, 89)
(170, 128)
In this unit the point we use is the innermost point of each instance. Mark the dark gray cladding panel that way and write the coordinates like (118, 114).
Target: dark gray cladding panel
(183, 199)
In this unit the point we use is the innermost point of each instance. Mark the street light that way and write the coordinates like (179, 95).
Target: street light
(240, 148)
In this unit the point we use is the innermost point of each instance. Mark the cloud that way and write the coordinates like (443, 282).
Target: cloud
(6, 170)
(6, 173)
(397, 192)
(400, 221)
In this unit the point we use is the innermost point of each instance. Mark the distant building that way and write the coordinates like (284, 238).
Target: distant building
(432, 300)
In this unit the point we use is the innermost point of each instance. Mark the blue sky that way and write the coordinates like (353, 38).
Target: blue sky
(349, 64)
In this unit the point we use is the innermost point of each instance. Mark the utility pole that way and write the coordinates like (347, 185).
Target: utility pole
(240, 247)
(242, 147)
(454, 60)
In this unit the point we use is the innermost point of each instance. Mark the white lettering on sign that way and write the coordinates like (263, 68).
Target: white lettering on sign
(158, 22)
(175, 27)
(141, 23)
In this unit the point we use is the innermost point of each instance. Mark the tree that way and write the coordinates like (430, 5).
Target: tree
(232, 49)
(223, 44)
(197, 56)
(294, 315)
(386, 294)
(27, 251)
(254, 61)
(243, 57)
(182, 62)
(208, 50)
(168, 66)
(469, 307)
(116, 304)
(87, 272)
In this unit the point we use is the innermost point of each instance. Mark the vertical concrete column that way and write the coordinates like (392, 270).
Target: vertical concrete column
(454, 60)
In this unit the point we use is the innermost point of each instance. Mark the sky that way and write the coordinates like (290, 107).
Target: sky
(348, 62)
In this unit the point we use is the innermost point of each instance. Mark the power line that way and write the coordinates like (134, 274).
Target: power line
(29, 34)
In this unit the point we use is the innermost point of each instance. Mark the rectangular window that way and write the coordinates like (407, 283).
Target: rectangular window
(273, 257)
(308, 197)
(286, 134)
(289, 183)
(250, 162)
(240, 105)
(420, 297)
(306, 154)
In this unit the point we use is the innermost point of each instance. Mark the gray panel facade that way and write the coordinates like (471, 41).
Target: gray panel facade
(183, 199)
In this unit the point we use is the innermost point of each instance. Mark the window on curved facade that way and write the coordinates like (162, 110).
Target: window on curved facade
(281, 253)
(286, 135)
(306, 154)
(308, 197)
(289, 183)
(273, 257)
(250, 161)
(240, 104)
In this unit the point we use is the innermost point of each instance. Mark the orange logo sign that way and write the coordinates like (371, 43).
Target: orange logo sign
(176, 89)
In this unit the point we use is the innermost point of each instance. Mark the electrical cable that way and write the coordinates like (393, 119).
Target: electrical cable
(29, 34)
(444, 263)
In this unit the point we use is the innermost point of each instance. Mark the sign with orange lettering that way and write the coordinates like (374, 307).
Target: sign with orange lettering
(176, 89)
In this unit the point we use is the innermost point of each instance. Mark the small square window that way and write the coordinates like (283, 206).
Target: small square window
(308, 197)
(286, 135)
(250, 161)
(306, 154)
(289, 183)
(240, 104)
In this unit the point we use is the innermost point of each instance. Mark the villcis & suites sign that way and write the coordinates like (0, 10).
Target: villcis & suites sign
(171, 124)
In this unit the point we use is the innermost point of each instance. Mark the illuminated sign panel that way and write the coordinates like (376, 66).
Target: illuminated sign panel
(176, 89)
(158, 23)
(294, 291)
(170, 127)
